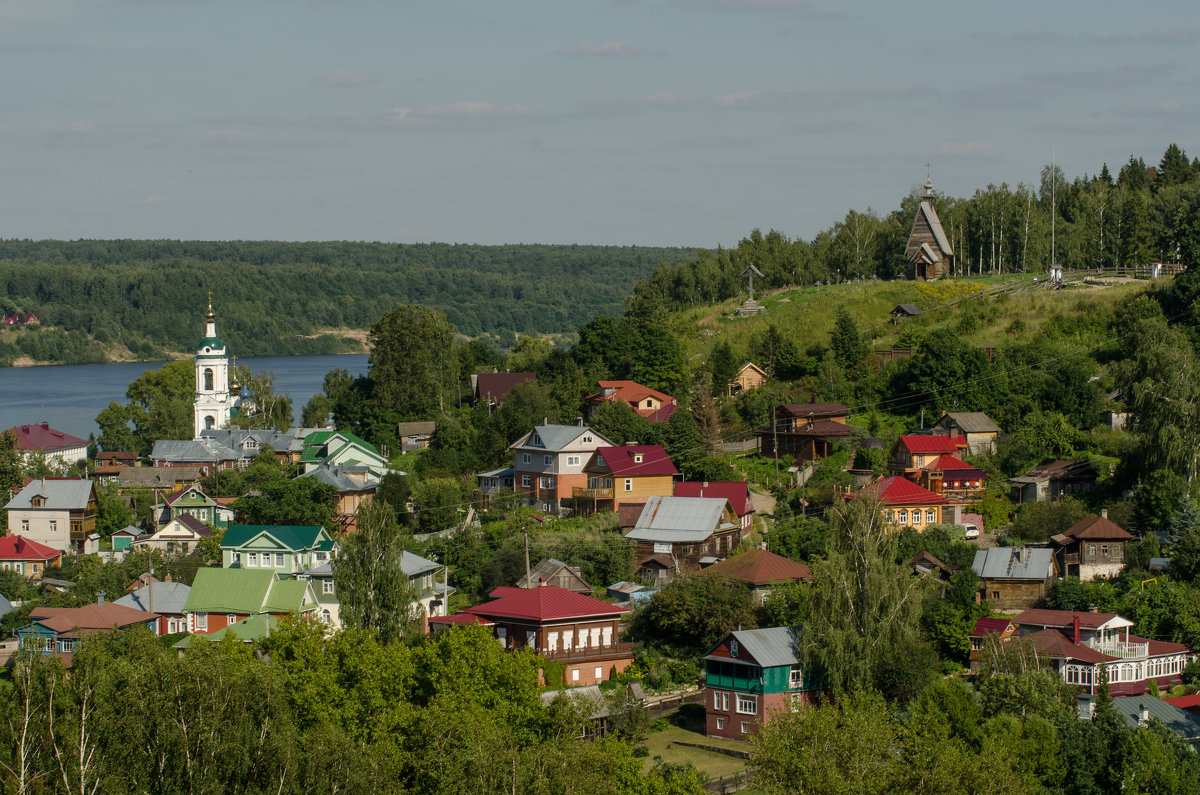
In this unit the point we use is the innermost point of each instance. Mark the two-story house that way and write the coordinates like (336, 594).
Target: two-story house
(209, 455)
(683, 534)
(549, 461)
(805, 432)
(355, 485)
(220, 597)
(343, 448)
(655, 406)
(749, 677)
(27, 557)
(55, 446)
(430, 595)
(287, 549)
(580, 632)
(1054, 479)
(1015, 578)
(177, 537)
(905, 504)
(625, 475)
(1092, 548)
(736, 491)
(193, 501)
(910, 454)
(57, 630)
(954, 479)
(164, 599)
(55, 512)
(1078, 644)
(975, 427)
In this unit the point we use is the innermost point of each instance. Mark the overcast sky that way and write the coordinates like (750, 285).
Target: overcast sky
(649, 122)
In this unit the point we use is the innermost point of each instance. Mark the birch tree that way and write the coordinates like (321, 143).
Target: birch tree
(368, 575)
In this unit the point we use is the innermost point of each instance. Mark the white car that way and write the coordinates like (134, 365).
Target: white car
(970, 532)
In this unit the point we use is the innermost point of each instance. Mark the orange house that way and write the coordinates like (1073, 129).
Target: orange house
(905, 504)
(548, 463)
(626, 475)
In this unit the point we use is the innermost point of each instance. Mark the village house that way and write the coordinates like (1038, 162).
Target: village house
(286, 549)
(109, 464)
(27, 557)
(549, 462)
(760, 570)
(985, 632)
(1092, 548)
(554, 572)
(625, 475)
(928, 251)
(343, 448)
(354, 484)
(249, 443)
(1078, 644)
(18, 319)
(220, 597)
(164, 599)
(749, 376)
(192, 501)
(169, 479)
(736, 491)
(905, 504)
(904, 312)
(430, 595)
(55, 512)
(751, 676)
(56, 447)
(927, 564)
(490, 389)
(207, 455)
(1054, 479)
(1015, 578)
(954, 479)
(179, 536)
(1140, 710)
(58, 630)
(682, 534)
(910, 454)
(655, 406)
(246, 630)
(496, 482)
(415, 435)
(805, 432)
(974, 426)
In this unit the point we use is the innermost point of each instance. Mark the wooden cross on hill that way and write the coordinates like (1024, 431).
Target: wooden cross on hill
(749, 275)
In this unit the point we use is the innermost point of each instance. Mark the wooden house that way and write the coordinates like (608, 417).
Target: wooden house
(683, 534)
(554, 572)
(415, 435)
(805, 432)
(751, 676)
(954, 479)
(1054, 479)
(1015, 578)
(760, 570)
(1092, 548)
(905, 504)
(58, 630)
(749, 376)
(56, 512)
(928, 251)
(655, 406)
(974, 426)
(626, 475)
(27, 557)
(220, 597)
(548, 463)
(910, 454)
(736, 491)
(989, 630)
(490, 389)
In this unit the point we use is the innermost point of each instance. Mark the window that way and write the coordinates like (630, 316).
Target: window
(599, 672)
(541, 483)
(1104, 550)
(551, 641)
(595, 637)
(525, 458)
(327, 617)
(568, 636)
(547, 460)
(931, 516)
(721, 701)
(587, 439)
(550, 482)
(720, 724)
(525, 481)
(796, 678)
(606, 636)
(202, 622)
(53, 526)
(208, 379)
(574, 674)
(502, 635)
(916, 517)
(24, 525)
(1091, 550)
(628, 484)
(279, 560)
(733, 648)
(252, 560)
(890, 516)
(745, 727)
(903, 516)
(572, 460)
(326, 586)
(637, 458)
(747, 705)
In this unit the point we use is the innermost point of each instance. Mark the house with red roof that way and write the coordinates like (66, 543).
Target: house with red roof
(989, 630)
(910, 454)
(905, 504)
(1092, 548)
(27, 557)
(490, 389)
(1079, 644)
(736, 492)
(953, 478)
(57, 630)
(58, 447)
(580, 632)
(650, 403)
(804, 432)
(760, 570)
(625, 475)
(20, 319)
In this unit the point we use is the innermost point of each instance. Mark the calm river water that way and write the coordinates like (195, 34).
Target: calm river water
(70, 396)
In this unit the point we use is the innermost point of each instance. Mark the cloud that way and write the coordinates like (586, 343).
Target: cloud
(474, 109)
(798, 7)
(967, 148)
(343, 79)
(608, 49)
(794, 101)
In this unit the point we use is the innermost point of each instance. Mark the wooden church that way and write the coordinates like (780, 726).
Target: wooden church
(928, 252)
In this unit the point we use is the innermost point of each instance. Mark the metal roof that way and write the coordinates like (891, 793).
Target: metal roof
(169, 598)
(1014, 563)
(245, 591)
(294, 537)
(973, 421)
(770, 647)
(340, 478)
(680, 519)
(60, 493)
(1180, 721)
(415, 565)
(557, 437)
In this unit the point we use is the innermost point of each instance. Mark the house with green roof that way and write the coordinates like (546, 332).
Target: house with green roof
(248, 630)
(287, 549)
(343, 448)
(221, 597)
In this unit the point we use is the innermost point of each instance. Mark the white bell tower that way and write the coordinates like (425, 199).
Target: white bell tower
(213, 401)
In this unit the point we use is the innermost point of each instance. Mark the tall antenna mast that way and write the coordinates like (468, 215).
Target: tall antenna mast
(1053, 212)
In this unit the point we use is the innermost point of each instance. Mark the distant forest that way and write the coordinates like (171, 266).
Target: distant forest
(273, 298)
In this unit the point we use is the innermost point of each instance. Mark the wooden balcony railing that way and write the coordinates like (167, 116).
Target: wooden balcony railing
(589, 652)
(592, 494)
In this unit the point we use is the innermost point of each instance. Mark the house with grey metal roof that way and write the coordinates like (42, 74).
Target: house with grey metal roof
(683, 534)
(1140, 710)
(354, 484)
(209, 455)
(548, 463)
(750, 676)
(976, 427)
(1015, 578)
(165, 599)
(57, 512)
(431, 595)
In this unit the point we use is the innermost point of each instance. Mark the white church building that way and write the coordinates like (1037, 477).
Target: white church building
(215, 404)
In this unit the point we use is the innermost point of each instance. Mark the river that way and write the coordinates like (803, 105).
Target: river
(69, 397)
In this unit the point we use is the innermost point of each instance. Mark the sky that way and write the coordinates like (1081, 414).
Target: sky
(620, 122)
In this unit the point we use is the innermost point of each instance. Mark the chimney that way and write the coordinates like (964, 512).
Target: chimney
(541, 582)
(99, 597)
(1092, 609)
(1075, 626)
(1143, 716)
(579, 421)
(168, 577)
(545, 420)
(1103, 513)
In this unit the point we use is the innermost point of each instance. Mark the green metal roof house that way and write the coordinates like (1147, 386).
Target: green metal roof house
(340, 448)
(221, 597)
(288, 549)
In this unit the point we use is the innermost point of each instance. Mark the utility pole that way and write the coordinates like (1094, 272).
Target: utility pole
(527, 573)
(775, 434)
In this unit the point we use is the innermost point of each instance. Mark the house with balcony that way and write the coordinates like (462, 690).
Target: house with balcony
(26, 557)
(287, 549)
(655, 406)
(220, 597)
(55, 512)
(805, 432)
(626, 475)
(354, 485)
(911, 454)
(1092, 548)
(750, 677)
(954, 479)
(192, 500)
(580, 632)
(736, 491)
(905, 504)
(179, 536)
(975, 427)
(1079, 644)
(676, 535)
(331, 448)
(548, 464)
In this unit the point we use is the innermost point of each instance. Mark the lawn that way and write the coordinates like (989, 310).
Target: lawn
(664, 744)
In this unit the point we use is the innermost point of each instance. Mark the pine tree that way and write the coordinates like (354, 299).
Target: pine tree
(846, 341)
